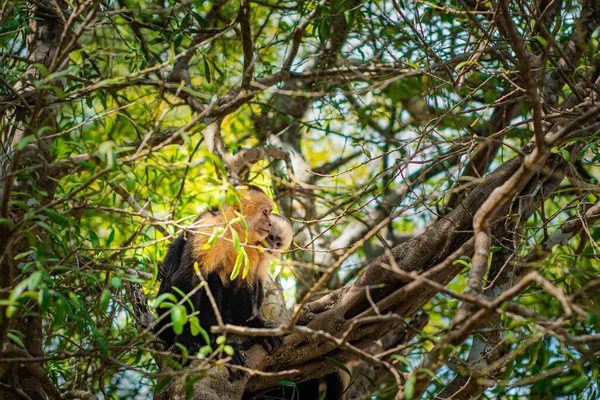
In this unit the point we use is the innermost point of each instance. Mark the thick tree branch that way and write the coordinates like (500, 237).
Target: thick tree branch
(247, 43)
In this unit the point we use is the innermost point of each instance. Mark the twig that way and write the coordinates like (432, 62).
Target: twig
(525, 70)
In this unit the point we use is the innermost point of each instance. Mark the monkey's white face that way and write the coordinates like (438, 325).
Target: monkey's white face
(280, 237)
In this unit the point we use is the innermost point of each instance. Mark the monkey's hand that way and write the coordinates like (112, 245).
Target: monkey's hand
(236, 359)
(270, 343)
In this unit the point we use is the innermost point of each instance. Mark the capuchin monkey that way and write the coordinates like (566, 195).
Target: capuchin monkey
(238, 296)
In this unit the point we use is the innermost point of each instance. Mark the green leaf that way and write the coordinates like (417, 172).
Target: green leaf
(5, 221)
(19, 203)
(205, 351)
(163, 297)
(44, 298)
(199, 329)
(188, 386)
(101, 343)
(339, 365)
(184, 296)
(16, 339)
(409, 387)
(292, 385)
(60, 313)
(195, 327)
(232, 197)
(14, 297)
(24, 254)
(75, 300)
(201, 21)
(540, 39)
(115, 282)
(460, 65)
(184, 350)
(172, 54)
(104, 300)
(217, 230)
(34, 280)
(56, 217)
(236, 240)
(236, 267)
(130, 182)
(367, 377)
(576, 386)
(403, 359)
(287, 383)
(194, 93)
(107, 149)
(562, 381)
(543, 358)
(228, 350)
(40, 252)
(46, 227)
(218, 164)
(161, 384)
(25, 141)
(207, 71)
(414, 65)
(42, 68)
(94, 240)
(240, 218)
(111, 236)
(178, 40)
(246, 264)
(179, 318)
(324, 30)
(462, 261)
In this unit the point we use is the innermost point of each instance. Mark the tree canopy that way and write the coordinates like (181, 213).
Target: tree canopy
(438, 160)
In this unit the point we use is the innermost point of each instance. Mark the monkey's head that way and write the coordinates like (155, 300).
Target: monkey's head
(281, 234)
(256, 207)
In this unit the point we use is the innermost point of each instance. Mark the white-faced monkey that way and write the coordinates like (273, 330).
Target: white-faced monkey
(238, 300)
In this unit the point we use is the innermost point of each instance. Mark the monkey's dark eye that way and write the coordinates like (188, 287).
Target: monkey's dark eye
(271, 237)
(266, 212)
